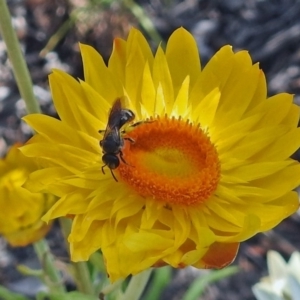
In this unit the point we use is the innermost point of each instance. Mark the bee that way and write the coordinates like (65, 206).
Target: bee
(113, 142)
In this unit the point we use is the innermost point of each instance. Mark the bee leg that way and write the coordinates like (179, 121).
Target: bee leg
(141, 122)
(123, 160)
(130, 127)
(132, 141)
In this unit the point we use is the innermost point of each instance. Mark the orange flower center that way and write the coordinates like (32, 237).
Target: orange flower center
(172, 161)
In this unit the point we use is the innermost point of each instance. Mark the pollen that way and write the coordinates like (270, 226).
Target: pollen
(170, 160)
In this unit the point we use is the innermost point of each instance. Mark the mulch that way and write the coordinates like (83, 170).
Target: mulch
(269, 30)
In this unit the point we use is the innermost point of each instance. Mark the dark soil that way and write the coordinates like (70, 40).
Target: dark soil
(270, 30)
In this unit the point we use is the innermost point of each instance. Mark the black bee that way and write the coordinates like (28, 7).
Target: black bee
(112, 142)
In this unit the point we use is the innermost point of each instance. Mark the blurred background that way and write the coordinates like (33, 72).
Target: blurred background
(49, 32)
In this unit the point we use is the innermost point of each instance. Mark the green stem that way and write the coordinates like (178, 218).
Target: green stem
(112, 287)
(17, 59)
(82, 276)
(55, 282)
(136, 286)
(144, 20)
(59, 35)
(198, 286)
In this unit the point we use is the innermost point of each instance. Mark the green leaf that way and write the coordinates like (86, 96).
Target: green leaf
(8, 295)
(161, 278)
(24, 270)
(96, 259)
(65, 296)
(199, 284)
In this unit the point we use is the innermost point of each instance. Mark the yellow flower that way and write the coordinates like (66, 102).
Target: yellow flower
(208, 170)
(20, 210)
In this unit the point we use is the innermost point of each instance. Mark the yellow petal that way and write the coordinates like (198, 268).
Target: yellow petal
(137, 55)
(117, 60)
(182, 46)
(237, 94)
(181, 104)
(65, 88)
(98, 76)
(163, 81)
(206, 108)
(148, 93)
(49, 127)
(70, 204)
(71, 155)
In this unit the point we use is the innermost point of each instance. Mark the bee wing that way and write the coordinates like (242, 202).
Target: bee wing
(115, 114)
(113, 118)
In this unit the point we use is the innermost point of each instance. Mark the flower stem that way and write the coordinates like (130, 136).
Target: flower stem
(144, 20)
(81, 272)
(55, 282)
(17, 59)
(136, 286)
(82, 275)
